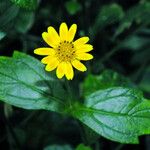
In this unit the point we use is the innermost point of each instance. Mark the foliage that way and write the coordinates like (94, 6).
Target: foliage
(107, 104)
(29, 4)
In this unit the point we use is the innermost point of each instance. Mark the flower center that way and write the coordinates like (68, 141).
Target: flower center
(65, 51)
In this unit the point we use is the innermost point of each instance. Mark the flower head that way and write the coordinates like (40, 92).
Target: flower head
(64, 53)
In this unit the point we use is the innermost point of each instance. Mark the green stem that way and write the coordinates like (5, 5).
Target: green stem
(68, 87)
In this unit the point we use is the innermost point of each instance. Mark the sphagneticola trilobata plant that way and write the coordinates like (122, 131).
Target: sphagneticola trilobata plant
(108, 103)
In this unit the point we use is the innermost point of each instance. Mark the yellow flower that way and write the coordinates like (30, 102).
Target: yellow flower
(64, 53)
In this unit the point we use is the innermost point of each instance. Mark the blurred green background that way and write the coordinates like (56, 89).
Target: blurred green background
(119, 30)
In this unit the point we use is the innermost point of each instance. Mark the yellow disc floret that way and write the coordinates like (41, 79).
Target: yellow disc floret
(65, 51)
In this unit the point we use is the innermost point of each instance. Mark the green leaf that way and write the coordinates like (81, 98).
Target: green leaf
(119, 114)
(14, 19)
(7, 17)
(107, 15)
(24, 83)
(29, 4)
(135, 42)
(139, 13)
(72, 7)
(2, 35)
(106, 79)
(83, 147)
(58, 147)
(54, 86)
(24, 21)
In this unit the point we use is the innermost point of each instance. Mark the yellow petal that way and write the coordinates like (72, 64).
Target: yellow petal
(47, 59)
(44, 51)
(72, 32)
(78, 65)
(84, 56)
(52, 64)
(60, 72)
(54, 35)
(81, 41)
(49, 39)
(63, 31)
(69, 71)
(84, 48)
